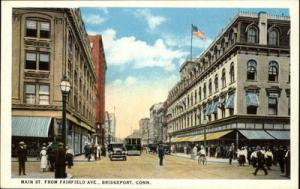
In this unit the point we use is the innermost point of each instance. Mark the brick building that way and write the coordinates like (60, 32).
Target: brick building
(100, 69)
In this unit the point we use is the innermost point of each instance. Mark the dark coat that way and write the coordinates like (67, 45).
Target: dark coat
(60, 157)
(22, 154)
(260, 158)
(161, 152)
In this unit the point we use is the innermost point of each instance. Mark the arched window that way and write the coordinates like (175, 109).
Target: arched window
(231, 72)
(273, 71)
(216, 83)
(251, 70)
(223, 78)
(252, 35)
(209, 87)
(273, 37)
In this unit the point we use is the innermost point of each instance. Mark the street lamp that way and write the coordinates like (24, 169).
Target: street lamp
(65, 88)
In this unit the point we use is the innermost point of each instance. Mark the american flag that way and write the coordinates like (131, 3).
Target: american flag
(197, 32)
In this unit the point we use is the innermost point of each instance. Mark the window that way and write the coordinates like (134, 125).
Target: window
(223, 78)
(42, 97)
(252, 35)
(231, 73)
(209, 87)
(252, 102)
(195, 96)
(216, 83)
(251, 70)
(37, 61)
(273, 37)
(204, 91)
(272, 105)
(44, 94)
(36, 28)
(200, 93)
(273, 71)
(30, 94)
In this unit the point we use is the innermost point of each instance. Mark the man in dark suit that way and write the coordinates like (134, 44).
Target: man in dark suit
(260, 162)
(161, 154)
(60, 162)
(22, 157)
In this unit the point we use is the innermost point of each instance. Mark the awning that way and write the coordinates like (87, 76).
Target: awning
(208, 109)
(252, 99)
(214, 107)
(230, 101)
(281, 135)
(216, 135)
(256, 134)
(29, 126)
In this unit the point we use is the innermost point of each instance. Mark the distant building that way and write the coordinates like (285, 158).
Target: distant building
(48, 43)
(156, 123)
(100, 69)
(238, 90)
(144, 130)
(109, 128)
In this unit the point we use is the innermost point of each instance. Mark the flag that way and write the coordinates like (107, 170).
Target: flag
(197, 32)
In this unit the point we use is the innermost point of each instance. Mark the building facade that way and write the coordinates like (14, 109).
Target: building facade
(156, 123)
(48, 44)
(109, 128)
(238, 90)
(143, 129)
(100, 69)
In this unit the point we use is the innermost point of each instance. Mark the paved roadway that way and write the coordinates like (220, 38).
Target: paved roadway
(147, 166)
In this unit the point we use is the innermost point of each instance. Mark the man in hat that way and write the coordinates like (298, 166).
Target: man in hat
(22, 157)
(60, 162)
(161, 154)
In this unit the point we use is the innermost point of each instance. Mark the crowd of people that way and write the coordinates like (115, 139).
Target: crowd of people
(94, 151)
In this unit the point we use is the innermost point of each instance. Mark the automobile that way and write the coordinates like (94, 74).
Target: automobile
(117, 150)
(133, 150)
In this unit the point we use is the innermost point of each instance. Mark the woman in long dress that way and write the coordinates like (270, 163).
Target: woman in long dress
(43, 155)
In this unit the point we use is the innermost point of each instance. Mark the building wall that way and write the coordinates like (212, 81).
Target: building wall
(143, 127)
(65, 51)
(231, 48)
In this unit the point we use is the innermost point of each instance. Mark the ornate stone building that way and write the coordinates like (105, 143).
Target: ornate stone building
(156, 123)
(144, 130)
(238, 90)
(48, 43)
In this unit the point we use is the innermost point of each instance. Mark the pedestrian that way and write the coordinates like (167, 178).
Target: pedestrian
(230, 154)
(94, 151)
(43, 157)
(60, 162)
(103, 151)
(86, 150)
(249, 152)
(22, 157)
(253, 158)
(161, 154)
(280, 159)
(194, 152)
(269, 158)
(98, 152)
(260, 161)
(69, 157)
(287, 159)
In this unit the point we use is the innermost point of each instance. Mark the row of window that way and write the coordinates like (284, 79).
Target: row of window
(253, 33)
(37, 28)
(273, 70)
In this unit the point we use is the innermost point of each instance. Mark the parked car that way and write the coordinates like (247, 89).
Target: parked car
(117, 151)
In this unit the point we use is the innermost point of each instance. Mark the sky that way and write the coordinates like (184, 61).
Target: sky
(144, 49)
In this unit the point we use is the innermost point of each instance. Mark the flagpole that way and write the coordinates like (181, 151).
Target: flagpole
(191, 42)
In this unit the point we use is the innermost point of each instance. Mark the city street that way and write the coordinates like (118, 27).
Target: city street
(147, 166)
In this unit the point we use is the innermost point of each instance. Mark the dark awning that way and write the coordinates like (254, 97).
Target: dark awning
(256, 134)
(29, 126)
(281, 135)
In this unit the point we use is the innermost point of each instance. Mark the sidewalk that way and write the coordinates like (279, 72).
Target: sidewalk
(209, 159)
(77, 158)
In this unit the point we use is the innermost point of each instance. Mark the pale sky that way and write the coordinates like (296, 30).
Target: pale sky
(144, 49)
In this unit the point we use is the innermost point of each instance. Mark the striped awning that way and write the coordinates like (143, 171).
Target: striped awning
(280, 135)
(252, 99)
(256, 134)
(29, 126)
(217, 135)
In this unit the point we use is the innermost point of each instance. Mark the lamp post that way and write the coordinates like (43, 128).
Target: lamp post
(65, 88)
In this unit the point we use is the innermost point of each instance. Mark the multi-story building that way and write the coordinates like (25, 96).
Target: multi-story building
(109, 128)
(48, 44)
(100, 69)
(143, 128)
(156, 123)
(238, 90)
